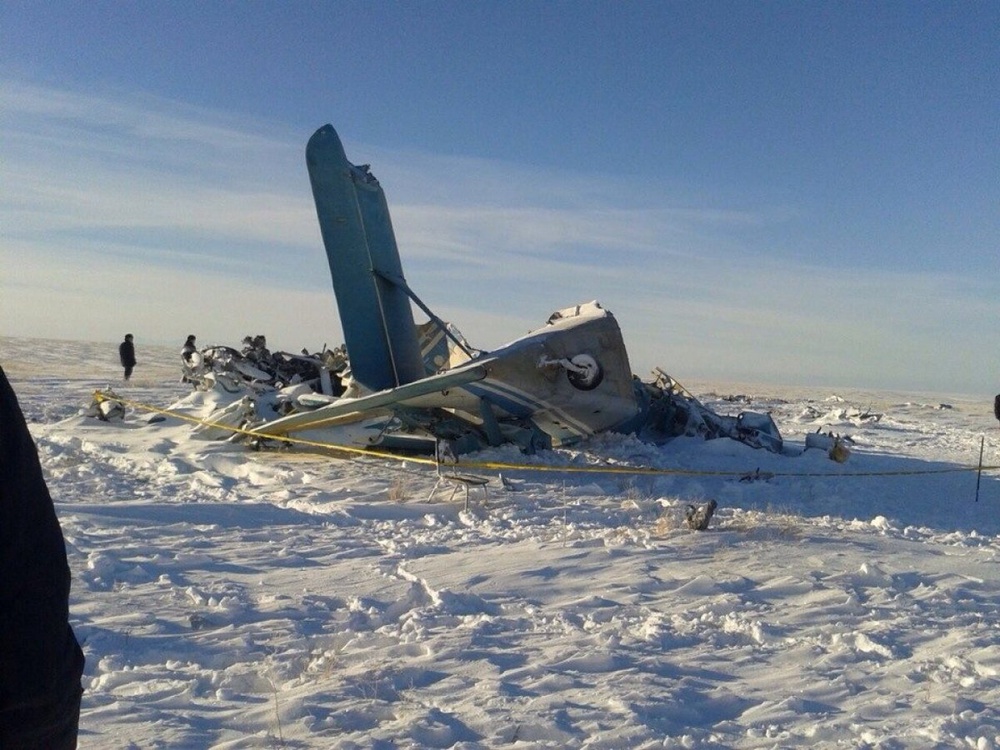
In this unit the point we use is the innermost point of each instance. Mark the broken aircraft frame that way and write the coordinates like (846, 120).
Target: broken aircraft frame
(408, 386)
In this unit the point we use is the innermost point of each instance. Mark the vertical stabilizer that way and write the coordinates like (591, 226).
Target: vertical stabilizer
(364, 262)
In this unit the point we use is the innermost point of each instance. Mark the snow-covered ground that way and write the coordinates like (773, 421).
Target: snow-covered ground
(232, 599)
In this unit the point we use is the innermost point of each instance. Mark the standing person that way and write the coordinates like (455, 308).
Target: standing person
(191, 361)
(189, 349)
(40, 659)
(126, 353)
(996, 406)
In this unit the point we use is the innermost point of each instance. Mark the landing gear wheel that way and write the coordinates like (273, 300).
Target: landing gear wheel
(588, 375)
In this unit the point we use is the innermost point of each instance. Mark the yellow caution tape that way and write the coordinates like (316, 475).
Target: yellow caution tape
(367, 452)
(507, 466)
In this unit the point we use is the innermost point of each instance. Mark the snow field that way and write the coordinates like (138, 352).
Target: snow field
(233, 599)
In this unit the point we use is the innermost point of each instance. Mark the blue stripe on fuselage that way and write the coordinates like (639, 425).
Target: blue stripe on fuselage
(522, 404)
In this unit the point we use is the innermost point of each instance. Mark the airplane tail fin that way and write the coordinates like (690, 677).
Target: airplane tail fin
(374, 308)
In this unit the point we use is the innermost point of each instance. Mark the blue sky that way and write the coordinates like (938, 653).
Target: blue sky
(798, 193)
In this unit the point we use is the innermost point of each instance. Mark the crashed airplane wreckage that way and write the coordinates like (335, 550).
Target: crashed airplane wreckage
(400, 385)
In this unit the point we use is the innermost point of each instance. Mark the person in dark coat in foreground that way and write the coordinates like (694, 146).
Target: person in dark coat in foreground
(126, 353)
(40, 660)
(996, 406)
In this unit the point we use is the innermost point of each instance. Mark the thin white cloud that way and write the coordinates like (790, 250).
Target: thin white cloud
(207, 218)
(134, 116)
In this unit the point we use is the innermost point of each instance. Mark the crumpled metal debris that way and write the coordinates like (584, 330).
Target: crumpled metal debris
(257, 369)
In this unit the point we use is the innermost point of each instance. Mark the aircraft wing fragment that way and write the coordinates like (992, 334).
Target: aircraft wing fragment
(349, 409)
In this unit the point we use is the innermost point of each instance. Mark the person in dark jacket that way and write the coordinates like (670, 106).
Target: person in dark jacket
(189, 349)
(126, 353)
(40, 660)
(996, 406)
(191, 361)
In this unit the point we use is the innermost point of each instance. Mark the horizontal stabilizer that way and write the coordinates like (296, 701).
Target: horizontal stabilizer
(326, 416)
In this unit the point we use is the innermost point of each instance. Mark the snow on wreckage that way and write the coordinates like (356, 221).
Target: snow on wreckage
(399, 385)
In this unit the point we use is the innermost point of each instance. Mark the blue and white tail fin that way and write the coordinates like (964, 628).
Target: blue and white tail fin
(364, 263)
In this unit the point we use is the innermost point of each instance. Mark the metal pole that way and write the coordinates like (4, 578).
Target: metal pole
(979, 476)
